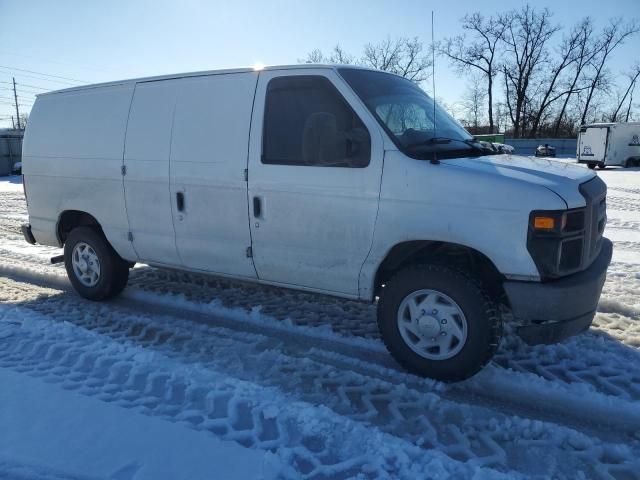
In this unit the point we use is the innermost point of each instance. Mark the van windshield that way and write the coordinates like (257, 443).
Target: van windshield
(406, 112)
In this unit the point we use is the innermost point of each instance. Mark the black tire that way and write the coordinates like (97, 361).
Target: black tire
(591, 165)
(120, 282)
(602, 166)
(114, 271)
(484, 325)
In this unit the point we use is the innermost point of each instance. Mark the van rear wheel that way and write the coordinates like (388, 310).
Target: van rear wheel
(592, 166)
(94, 268)
(437, 322)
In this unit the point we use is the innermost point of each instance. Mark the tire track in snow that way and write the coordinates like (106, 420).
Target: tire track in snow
(622, 224)
(468, 433)
(622, 204)
(583, 366)
(12, 470)
(625, 189)
(311, 441)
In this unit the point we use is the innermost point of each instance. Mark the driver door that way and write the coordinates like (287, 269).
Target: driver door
(315, 167)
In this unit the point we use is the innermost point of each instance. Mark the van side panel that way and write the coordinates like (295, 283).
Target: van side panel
(72, 159)
(208, 158)
(146, 183)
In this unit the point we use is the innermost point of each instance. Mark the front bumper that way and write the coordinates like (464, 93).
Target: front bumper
(28, 236)
(552, 311)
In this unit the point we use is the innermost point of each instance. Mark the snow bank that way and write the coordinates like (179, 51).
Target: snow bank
(11, 183)
(52, 428)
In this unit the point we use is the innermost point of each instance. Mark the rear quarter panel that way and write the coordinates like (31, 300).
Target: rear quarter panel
(72, 158)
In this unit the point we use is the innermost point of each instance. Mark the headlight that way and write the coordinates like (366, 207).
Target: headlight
(556, 241)
(557, 221)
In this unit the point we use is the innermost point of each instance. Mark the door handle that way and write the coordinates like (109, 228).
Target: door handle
(257, 207)
(180, 201)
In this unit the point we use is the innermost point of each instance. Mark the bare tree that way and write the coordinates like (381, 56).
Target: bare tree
(571, 51)
(473, 102)
(633, 77)
(478, 53)
(340, 57)
(314, 56)
(527, 32)
(501, 116)
(583, 56)
(612, 37)
(337, 56)
(628, 116)
(402, 56)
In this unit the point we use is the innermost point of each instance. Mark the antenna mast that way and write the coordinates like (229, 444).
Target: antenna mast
(433, 73)
(433, 79)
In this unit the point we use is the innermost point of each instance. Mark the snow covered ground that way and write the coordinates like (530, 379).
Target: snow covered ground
(188, 376)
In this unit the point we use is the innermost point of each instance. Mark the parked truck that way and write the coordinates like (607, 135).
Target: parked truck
(336, 180)
(609, 144)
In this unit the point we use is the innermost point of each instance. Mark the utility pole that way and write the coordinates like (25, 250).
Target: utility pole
(13, 123)
(15, 96)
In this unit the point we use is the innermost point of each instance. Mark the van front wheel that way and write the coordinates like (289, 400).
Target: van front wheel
(94, 268)
(438, 323)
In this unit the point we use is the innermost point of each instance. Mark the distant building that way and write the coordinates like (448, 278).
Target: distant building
(10, 149)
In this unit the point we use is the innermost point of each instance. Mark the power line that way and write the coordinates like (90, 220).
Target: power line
(20, 89)
(22, 93)
(31, 86)
(31, 92)
(22, 85)
(41, 59)
(43, 74)
(19, 104)
(64, 82)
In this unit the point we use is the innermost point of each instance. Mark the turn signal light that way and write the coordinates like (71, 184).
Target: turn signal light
(544, 223)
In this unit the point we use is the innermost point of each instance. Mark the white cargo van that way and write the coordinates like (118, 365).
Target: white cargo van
(335, 180)
(609, 144)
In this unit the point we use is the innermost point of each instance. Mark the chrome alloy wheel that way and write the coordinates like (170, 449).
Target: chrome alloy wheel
(432, 324)
(86, 265)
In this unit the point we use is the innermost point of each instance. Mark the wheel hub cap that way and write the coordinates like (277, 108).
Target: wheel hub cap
(86, 264)
(428, 326)
(432, 324)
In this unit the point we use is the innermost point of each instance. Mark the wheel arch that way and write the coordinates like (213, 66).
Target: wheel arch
(462, 257)
(70, 219)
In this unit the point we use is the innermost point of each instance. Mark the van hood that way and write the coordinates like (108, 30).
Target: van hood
(563, 178)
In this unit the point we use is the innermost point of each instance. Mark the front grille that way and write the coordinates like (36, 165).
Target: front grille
(595, 194)
(575, 221)
(571, 254)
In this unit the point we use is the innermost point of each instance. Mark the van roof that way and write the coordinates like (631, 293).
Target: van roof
(203, 73)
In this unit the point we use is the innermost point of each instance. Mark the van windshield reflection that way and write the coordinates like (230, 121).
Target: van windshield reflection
(409, 116)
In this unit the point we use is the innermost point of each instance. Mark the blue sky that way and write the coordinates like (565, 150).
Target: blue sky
(95, 41)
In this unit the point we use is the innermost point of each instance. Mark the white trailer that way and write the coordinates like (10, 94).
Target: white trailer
(608, 144)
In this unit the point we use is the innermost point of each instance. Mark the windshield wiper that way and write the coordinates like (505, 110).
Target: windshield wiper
(444, 140)
(473, 143)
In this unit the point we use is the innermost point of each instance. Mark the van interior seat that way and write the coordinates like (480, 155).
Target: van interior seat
(320, 139)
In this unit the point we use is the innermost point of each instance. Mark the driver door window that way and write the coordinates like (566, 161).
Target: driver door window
(308, 123)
